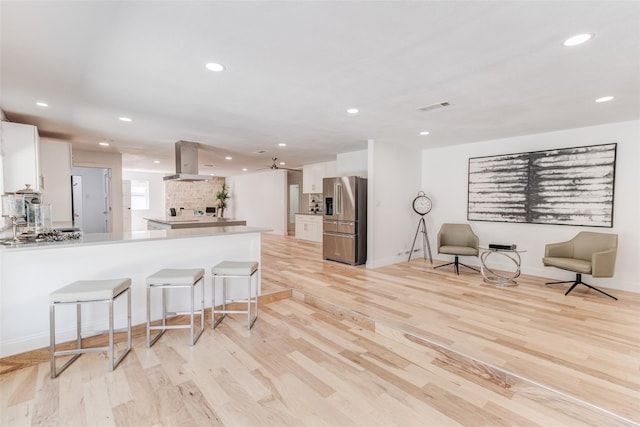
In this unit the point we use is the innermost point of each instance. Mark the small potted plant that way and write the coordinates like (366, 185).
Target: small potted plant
(222, 196)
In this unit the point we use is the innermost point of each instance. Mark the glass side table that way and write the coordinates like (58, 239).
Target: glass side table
(501, 279)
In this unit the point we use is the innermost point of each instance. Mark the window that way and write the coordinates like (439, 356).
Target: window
(139, 195)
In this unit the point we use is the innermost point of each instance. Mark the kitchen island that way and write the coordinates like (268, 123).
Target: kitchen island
(177, 222)
(30, 272)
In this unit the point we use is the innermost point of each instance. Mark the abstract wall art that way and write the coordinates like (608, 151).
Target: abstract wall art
(568, 186)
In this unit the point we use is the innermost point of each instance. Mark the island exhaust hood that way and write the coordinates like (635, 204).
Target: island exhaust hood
(187, 163)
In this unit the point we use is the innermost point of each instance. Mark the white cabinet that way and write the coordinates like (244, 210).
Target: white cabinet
(44, 165)
(309, 227)
(55, 181)
(312, 176)
(21, 156)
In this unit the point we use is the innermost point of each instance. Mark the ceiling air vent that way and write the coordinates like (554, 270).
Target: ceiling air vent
(433, 106)
(261, 151)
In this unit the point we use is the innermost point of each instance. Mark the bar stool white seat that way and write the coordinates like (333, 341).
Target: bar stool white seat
(176, 278)
(235, 269)
(85, 292)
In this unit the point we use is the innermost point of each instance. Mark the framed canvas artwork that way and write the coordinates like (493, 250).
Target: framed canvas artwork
(567, 186)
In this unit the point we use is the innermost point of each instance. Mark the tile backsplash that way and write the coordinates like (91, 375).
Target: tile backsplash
(195, 195)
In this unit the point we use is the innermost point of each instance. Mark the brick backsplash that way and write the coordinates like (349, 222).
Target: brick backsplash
(192, 195)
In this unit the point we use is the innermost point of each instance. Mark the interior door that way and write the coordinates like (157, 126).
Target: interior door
(92, 199)
(106, 182)
(126, 205)
(294, 205)
(76, 201)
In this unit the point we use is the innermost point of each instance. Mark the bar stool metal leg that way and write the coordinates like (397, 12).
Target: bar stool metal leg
(238, 270)
(174, 279)
(85, 292)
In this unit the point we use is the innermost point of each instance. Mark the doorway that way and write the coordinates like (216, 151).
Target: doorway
(294, 197)
(91, 199)
(294, 206)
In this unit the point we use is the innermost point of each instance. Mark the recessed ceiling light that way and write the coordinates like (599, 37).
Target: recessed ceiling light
(577, 39)
(604, 99)
(282, 144)
(244, 169)
(353, 111)
(125, 119)
(42, 104)
(424, 132)
(213, 66)
(103, 143)
(156, 162)
(228, 158)
(282, 163)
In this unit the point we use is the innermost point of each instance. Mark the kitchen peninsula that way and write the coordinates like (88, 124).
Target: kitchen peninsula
(30, 272)
(178, 222)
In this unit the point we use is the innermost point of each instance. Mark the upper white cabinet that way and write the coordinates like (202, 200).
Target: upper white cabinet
(21, 156)
(312, 176)
(43, 164)
(55, 181)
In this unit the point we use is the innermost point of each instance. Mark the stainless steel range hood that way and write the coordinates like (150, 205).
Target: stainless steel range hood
(187, 163)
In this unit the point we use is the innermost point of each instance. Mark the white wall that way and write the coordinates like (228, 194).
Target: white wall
(445, 177)
(113, 161)
(156, 198)
(352, 163)
(260, 199)
(393, 183)
(4, 222)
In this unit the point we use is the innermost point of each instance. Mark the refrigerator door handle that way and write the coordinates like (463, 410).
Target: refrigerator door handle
(348, 236)
(339, 198)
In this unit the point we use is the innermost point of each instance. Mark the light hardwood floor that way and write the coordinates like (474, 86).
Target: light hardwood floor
(399, 345)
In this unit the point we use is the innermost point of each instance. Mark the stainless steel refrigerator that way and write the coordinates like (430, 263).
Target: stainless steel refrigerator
(344, 236)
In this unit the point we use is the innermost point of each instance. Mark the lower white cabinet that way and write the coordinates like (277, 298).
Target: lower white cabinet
(309, 227)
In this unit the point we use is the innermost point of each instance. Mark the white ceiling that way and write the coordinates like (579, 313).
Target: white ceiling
(293, 68)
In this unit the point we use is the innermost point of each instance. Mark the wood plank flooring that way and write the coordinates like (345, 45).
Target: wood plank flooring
(399, 345)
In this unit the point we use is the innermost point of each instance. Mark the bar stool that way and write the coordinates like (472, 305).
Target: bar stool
(235, 269)
(85, 292)
(172, 278)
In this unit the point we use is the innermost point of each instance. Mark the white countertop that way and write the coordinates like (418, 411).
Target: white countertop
(136, 236)
(183, 219)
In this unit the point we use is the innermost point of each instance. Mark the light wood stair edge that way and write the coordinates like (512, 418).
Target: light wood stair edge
(41, 355)
(483, 371)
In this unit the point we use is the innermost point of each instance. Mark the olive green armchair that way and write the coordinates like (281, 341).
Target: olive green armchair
(457, 240)
(587, 253)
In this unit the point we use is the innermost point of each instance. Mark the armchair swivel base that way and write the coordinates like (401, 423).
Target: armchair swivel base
(587, 253)
(579, 281)
(457, 240)
(456, 265)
